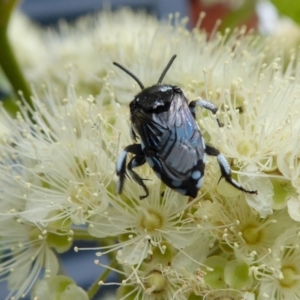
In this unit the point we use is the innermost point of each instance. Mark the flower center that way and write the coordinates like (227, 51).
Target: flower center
(289, 276)
(155, 282)
(252, 235)
(151, 220)
(245, 148)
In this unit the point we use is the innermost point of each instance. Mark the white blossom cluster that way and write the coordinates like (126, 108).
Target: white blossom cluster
(57, 169)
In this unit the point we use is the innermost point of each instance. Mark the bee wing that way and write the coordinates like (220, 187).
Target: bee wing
(175, 141)
(184, 148)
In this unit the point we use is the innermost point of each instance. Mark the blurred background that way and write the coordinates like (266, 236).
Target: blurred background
(232, 12)
(47, 12)
(260, 16)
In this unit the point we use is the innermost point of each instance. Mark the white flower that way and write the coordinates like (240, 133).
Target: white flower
(54, 172)
(58, 163)
(138, 41)
(166, 273)
(258, 131)
(289, 158)
(279, 274)
(58, 169)
(293, 205)
(79, 46)
(247, 234)
(25, 253)
(141, 224)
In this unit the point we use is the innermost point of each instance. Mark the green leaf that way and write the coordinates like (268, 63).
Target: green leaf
(214, 277)
(58, 288)
(289, 8)
(59, 241)
(8, 60)
(236, 274)
(59, 283)
(74, 292)
(6, 8)
(10, 105)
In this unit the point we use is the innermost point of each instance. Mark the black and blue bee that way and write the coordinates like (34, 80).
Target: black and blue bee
(170, 139)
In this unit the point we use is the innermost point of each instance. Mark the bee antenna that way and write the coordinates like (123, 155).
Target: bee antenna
(130, 74)
(166, 69)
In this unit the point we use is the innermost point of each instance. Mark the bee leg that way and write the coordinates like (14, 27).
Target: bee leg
(121, 163)
(207, 105)
(137, 161)
(225, 169)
